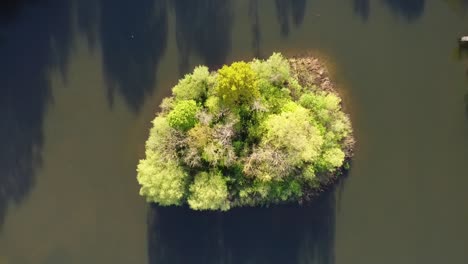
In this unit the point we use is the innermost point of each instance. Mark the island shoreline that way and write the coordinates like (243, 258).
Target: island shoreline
(310, 71)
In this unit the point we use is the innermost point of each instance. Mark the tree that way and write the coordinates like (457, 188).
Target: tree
(293, 131)
(209, 192)
(267, 163)
(194, 86)
(330, 160)
(162, 182)
(275, 70)
(237, 84)
(183, 117)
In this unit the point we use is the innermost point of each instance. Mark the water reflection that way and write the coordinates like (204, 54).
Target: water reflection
(285, 9)
(204, 28)
(280, 234)
(25, 90)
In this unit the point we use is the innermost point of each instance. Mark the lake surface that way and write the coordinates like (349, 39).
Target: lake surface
(80, 82)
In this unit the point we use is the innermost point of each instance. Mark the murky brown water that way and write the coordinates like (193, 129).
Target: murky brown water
(80, 82)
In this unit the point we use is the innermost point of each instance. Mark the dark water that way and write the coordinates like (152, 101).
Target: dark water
(81, 80)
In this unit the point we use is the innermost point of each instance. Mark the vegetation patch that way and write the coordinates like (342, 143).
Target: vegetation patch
(250, 134)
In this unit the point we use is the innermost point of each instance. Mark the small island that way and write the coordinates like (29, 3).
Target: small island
(250, 134)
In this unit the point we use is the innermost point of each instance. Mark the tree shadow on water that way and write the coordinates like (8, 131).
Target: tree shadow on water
(9, 9)
(255, 27)
(362, 8)
(133, 38)
(203, 27)
(287, 8)
(279, 234)
(36, 39)
(409, 9)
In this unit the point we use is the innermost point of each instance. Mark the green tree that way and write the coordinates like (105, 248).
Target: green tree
(266, 163)
(293, 131)
(209, 192)
(330, 160)
(194, 86)
(184, 115)
(264, 192)
(163, 139)
(161, 182)
(275, 70)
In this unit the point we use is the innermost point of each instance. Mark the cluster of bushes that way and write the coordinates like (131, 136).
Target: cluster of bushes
(246, 135)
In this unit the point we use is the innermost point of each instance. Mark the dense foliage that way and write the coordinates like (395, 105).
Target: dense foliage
(248, 134)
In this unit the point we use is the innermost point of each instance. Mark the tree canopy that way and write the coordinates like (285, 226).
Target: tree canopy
(248, 134)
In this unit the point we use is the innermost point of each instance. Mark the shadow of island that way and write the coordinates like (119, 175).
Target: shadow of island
(279, 234)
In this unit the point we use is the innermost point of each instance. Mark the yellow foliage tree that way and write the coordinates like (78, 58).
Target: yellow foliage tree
(237, 84)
